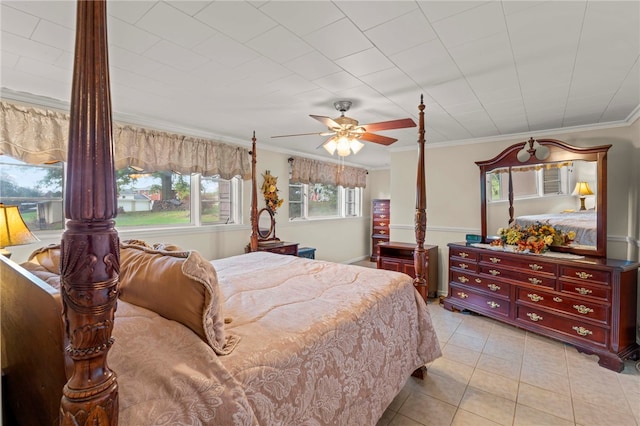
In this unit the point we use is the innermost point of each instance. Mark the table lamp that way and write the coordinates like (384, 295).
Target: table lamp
(582, 190)
(13, 230)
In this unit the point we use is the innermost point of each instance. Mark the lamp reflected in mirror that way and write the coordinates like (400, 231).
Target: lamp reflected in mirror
(541, 152)
(13, 230)
(582, 189)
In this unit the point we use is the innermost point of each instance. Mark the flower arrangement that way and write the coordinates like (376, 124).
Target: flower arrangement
(536, 238)
(270, 191)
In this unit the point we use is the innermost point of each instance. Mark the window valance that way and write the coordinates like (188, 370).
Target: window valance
(305, 170)
(40, 136)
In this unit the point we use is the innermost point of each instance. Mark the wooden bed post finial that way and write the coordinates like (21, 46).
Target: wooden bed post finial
(419, 254)
(90, 261)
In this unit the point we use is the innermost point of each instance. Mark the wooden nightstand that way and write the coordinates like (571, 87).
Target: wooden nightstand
(280, 247)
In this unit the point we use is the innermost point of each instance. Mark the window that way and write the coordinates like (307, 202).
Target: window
(529, 182)
(313, 201)
(143, 198)
(36, 190)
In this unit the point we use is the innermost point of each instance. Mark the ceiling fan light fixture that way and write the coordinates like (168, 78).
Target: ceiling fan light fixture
(356, 145)
(330, 146)
(344, 146)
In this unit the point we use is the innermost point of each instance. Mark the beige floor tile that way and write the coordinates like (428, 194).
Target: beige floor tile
(545, 379)
(427, 410)
(386, 418)
(473, 328)
(509, 368)
(452, 370)
(459, 354)
(492, 407)
(494, 384)
(465, 418)
(439, 387)
(468, 342)
(551, 362)
(502, 328)
(588, 387)
(527, 416)
(549, 402)
(503, 350)
(401, 397)
(589, 414)
(400, 420)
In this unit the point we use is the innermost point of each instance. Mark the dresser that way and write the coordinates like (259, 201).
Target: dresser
(280, 247)
(395, 256)
(379, 225)
(589, 303)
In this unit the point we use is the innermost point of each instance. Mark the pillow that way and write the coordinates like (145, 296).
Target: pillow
(43, 273)
(48, 257)
(179, 285)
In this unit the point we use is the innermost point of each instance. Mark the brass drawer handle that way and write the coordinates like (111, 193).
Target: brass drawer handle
(494, 272)
(583, 290)
(534, 297)
(557, 299)
(493, 287)
(383, 232)
(464, 265)
(534, 317)
(582, 309)
(534, 281)
(584, 275)
(463, 279)
(582, 331)
(535, 267)
(382, 224)
(463, 254)
(382, 216)
(463, 295)
(478, 280)
(493, 305)
(494, 260)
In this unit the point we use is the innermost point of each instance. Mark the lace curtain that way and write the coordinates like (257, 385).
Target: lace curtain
(40, 136)
(304, 170)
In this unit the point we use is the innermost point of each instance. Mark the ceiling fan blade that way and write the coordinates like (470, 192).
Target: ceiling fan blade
(402, 123)
(382, 140)
(325, 120)
(304, 134)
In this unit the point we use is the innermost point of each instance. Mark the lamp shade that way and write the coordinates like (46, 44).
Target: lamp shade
(13, 230)
(582, 189)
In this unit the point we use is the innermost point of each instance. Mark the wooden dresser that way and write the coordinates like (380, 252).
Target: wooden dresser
(379, 225)
(399, 257)
(589, 303)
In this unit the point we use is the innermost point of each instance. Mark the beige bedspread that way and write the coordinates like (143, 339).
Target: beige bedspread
(321, 343)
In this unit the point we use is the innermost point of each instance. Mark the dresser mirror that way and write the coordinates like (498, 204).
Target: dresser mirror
(547, 181)
(266, 225)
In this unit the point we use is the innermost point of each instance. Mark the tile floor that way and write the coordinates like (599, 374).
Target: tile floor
(495, 374)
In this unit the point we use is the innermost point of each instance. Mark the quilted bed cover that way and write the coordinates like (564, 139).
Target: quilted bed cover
(320, 343)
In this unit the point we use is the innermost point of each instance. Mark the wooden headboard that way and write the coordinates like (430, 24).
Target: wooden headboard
(90, 262)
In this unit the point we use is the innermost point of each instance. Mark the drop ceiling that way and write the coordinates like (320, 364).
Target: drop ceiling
(223, 69)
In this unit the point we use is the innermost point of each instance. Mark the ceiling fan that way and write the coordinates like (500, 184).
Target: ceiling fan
(346, 133)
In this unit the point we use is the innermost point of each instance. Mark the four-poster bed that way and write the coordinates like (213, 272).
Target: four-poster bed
(280, 339)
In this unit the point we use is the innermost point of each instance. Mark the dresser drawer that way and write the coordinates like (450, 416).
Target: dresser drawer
(585, 289)
(528, 263)
(463, 253)
(521, 276)
(480, 302)
(567, 326)
(574, 306)
(381, 223)
(585, 274)
(491, 285)
(463, 264)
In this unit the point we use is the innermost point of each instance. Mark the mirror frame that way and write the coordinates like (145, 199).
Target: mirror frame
(271, 234)
(558, 151)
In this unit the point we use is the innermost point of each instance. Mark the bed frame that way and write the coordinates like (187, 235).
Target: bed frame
(42, 382)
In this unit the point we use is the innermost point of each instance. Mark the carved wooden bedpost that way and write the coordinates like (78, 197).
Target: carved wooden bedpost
(90, 247)
(253, 245)
(419, 254)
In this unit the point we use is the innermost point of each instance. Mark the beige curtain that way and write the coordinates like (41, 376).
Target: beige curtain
(304, 170)
(40, 136)
(547, 166)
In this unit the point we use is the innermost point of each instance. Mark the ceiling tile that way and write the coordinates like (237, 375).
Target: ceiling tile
(391, 82)
(54, 35)
(173, 55)
(312, 66)
(59, 12)
(129, 61)
(338, 40)
(174, 25)
(225, 50)
(130, 37)
(302, 17)
(478, 22)
(401, 33)
(189, 7)
(484, 55)
(17, 22)
(338, 81)
(239, 20)
(428, 64)
(365, 62)
(452, 93)
(366, 16)
(437, 10)
(9, 60)
(280, 45)
(29, 48)
(129, 11)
